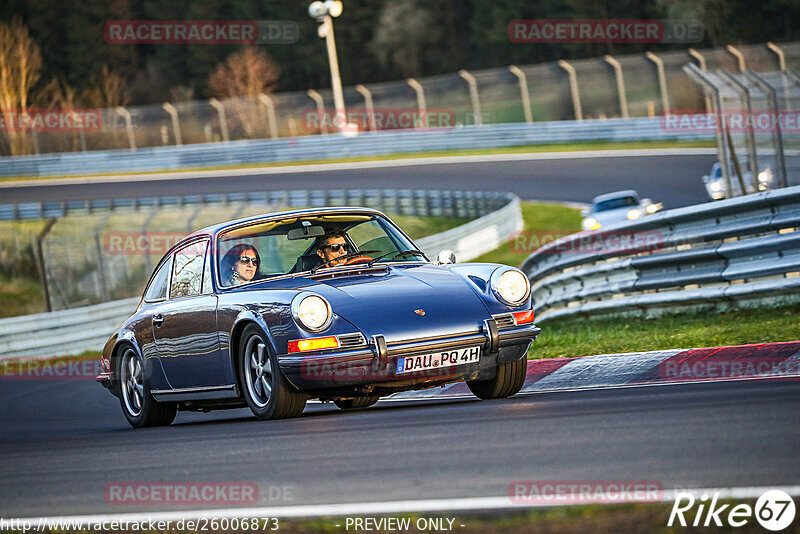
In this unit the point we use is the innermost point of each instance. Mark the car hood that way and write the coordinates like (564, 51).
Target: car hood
(384, 302)
(612, 216)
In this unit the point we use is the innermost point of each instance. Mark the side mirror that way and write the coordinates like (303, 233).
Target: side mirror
(445, 257)
(585, 212)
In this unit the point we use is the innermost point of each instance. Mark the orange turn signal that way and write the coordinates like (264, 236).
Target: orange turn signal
(315, 343)
(523, 317)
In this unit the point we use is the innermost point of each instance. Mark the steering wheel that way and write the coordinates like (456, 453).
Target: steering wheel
(358, 259)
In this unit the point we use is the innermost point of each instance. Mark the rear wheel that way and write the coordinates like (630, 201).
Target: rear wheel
(266, 391)
(138, 405)
(357, 402)
(507, 381)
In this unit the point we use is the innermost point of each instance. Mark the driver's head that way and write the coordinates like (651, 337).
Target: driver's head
(331, 246)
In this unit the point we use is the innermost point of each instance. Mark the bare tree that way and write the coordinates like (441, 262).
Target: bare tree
(246, 73)
(20, 65)
(108, 90)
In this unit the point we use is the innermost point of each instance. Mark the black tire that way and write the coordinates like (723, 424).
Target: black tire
(507, 381)
(266, 391)
(138, 405)
(356, 402)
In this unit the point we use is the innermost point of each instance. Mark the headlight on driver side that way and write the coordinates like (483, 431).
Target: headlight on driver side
(510, 286)
(312, 312)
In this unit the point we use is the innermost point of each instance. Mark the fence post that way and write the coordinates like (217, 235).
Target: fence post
(573, 88)
(662, 81)
(735, 52)
(128, 125)
(778, 52)
(523, 90)
(100, 263)
(702, 61)
(623, 100)
(176, 125)
(322, 118)
(473, 95)
(41, 262)
(270, 105)
(363, 91)
(421, 107)
(223, 123)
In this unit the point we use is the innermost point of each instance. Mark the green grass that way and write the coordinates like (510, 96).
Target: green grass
(20, 295)
(524, 149)
(544, 222)
(569, 337)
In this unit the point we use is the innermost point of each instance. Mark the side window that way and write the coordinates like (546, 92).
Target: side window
(187, 270)
(207, 285)
(157, 290)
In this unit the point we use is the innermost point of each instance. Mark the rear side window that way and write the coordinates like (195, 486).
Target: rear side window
(187, 270)
(157, 290)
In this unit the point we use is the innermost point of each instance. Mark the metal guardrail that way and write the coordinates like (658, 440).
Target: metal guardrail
(420, 202)
(731, 253)
(335, 146)
(77, 330)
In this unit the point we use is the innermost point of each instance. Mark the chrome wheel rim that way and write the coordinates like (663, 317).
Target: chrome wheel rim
(258, 372)
(132, 382)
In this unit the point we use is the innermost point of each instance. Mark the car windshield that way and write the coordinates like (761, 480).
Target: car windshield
(615, 203)
(290, 245)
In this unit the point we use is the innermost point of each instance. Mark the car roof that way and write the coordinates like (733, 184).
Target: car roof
(221, 227)
(615, 194)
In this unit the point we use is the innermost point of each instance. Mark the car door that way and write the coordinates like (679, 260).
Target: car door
(185, 325)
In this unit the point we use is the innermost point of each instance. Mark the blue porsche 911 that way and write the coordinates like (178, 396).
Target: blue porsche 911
(336, 304)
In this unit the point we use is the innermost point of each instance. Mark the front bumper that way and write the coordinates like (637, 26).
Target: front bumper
(376, 362)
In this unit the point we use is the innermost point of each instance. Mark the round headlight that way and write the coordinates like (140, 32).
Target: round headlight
(510, 286)
(634, 214)
(312, 312)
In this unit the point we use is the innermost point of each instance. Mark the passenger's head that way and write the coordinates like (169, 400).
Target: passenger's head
(240, 264)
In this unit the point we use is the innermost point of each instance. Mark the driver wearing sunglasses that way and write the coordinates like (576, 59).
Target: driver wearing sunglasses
(241, 264)
(333, 245)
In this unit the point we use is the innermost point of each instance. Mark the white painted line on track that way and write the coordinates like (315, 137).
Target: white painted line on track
(466, 504)
(356, 165)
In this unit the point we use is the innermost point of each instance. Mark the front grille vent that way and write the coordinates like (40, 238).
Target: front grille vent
(504, 320)
(349, 341)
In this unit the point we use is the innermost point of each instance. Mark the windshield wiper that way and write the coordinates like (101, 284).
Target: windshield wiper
(398, 255)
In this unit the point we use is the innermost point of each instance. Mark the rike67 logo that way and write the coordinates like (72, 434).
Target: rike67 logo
(774, 510)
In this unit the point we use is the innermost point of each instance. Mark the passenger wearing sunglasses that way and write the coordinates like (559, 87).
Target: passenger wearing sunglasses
(240, 265)
(332, 246)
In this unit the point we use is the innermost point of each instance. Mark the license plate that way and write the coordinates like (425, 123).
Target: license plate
(437, 360)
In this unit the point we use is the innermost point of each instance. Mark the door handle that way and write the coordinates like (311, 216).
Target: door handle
(158, 319)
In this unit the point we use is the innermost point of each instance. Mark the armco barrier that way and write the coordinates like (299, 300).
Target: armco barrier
(74, 331)
(333, 146)
(731, 253)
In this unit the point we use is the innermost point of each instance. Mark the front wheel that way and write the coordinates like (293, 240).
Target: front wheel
(357, 402)
(138, 405)
(266, 391)
(507, 381)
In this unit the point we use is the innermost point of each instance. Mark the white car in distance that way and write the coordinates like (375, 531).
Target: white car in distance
(615, 207)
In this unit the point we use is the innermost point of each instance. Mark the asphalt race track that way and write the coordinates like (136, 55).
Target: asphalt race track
(674, 180)
(62, 441)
